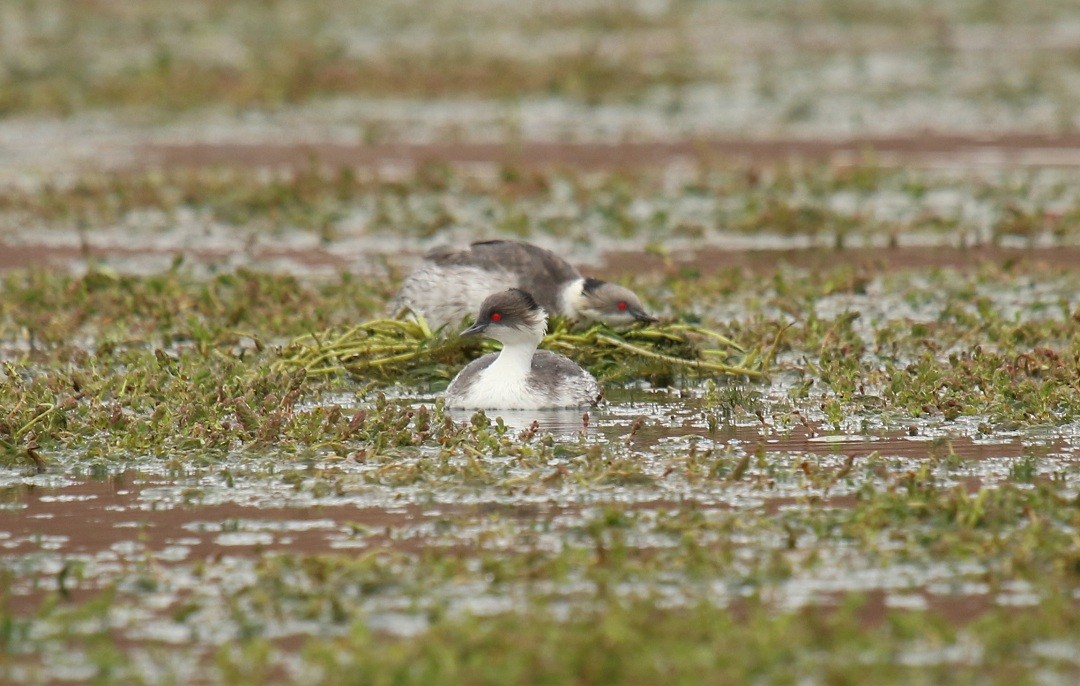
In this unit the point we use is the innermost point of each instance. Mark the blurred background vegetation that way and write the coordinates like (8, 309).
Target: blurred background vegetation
(830, 65)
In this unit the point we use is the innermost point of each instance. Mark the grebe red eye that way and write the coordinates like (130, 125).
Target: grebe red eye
(495, 316)
(622, 306)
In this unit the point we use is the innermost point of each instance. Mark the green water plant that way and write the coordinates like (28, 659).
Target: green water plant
(385, 351)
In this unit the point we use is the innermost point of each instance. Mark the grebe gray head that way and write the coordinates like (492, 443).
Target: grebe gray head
(611, 303)
(510, 317)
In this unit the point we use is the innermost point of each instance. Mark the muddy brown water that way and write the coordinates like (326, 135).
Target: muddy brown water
(923, 150)
(24, 254)
(705, 261)
(709, 260)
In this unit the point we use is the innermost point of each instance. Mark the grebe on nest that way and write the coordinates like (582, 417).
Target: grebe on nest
(451, 284)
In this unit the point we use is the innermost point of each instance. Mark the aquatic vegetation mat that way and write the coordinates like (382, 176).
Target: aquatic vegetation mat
(387, 351)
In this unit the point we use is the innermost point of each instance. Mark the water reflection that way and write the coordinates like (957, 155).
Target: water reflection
(559, 422)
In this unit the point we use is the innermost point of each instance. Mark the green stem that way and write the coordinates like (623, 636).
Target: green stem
(29, 425)
(697, 364)
(711, 334)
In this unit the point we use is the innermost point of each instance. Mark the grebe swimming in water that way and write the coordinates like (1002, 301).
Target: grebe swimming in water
(519, 377)
(451, 284)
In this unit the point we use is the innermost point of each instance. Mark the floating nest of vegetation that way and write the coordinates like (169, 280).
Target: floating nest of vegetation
(387, 351)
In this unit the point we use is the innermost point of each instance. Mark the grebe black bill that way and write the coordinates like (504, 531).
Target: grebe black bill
(518, 377)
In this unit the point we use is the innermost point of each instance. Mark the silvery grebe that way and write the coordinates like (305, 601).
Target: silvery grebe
(450, 285)
(519, 377)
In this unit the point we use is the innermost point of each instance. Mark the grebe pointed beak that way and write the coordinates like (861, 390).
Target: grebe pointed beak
(475, 329)
(643, 316)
